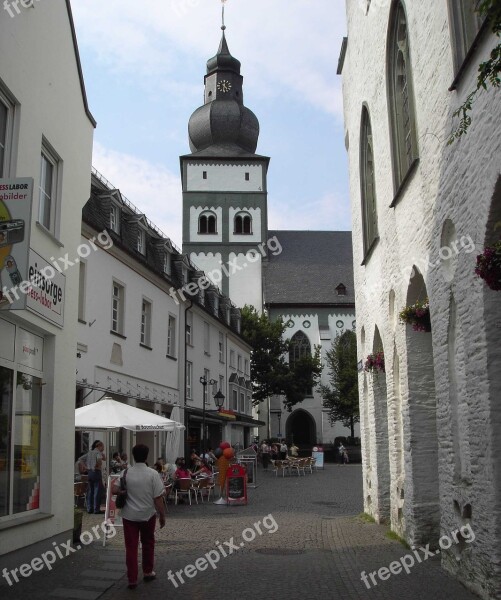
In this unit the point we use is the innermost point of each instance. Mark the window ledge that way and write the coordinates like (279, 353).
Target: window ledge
(206, 353)
(369, 252)
(170, 357)
(469, 56)
(207, 233)
(146, 347)
(401, 188)
(82, 321)
(49, 234)
(117, 334)
(24, 519)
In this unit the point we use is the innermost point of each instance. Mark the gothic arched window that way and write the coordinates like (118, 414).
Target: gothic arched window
(400, 96)
(367, 183)
(243, 224)
(207, 223)
(299, 347)
(465, 25)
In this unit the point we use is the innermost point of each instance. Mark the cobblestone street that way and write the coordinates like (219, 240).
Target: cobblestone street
(318, 551)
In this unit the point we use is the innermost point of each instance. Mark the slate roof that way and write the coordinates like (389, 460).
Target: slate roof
(310, 267)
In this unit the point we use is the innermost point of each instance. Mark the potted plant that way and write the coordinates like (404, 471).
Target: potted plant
(417, 315)
(375, 362)
(489, 266)
(77, 525)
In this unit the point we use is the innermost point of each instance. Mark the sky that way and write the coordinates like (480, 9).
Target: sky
(144, 62)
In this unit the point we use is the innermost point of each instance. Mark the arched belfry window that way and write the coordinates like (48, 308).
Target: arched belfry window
(400, 96)
(341, 290)
(367, 183)
(243, 223)
(207, 222)
(299, 347)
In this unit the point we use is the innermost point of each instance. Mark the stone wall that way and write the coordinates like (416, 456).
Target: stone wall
(442, 432)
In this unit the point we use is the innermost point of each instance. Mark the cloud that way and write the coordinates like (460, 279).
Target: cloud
(153, 189)
(285, 46)
(331, 211)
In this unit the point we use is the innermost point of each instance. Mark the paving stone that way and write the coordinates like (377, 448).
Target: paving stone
(102, 584)
(102, 574)
(72, 593)
(318, 551)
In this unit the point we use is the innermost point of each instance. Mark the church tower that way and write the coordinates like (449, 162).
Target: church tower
(224, 186)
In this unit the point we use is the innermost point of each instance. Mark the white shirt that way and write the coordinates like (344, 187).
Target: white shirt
(143, 486)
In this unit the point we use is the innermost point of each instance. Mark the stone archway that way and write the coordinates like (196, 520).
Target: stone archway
(422, 504)
(379, 450)
(492, 319)
(300, 428)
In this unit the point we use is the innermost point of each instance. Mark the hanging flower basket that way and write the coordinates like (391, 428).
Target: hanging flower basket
(489, 266)
(417, 315)
(375, 363)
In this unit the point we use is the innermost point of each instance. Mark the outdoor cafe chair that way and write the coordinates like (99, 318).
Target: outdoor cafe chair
(185, 488)
(80, 491)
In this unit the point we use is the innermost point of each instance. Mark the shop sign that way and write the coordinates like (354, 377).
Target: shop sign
(47, 295)
(29, 349)
(227, 413)
(16, 197)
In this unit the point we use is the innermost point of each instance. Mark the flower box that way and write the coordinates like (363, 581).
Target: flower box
(489, 266)
(375, 363)
(417, 315)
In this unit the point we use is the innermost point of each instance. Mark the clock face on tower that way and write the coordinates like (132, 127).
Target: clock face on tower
(224, 86)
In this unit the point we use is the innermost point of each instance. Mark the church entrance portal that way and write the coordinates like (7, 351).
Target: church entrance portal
(300, 429)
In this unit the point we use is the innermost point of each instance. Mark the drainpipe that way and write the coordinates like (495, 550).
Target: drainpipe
(185, 370)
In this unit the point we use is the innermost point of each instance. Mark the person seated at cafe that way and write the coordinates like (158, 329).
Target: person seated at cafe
(193, 458)
(202, 469)
(182, 472)
(159, 468)
(116, 464)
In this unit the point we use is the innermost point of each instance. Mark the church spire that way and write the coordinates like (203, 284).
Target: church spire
(223, 61)
(223, 121)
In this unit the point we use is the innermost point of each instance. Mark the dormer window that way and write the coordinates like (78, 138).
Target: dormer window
(216, 305)
(341, 290)
(115, 218)
(228, 315)
(202, 297)
(243, 224)
(207, 223)
(141, 241)
(167, 263)
(185, 275)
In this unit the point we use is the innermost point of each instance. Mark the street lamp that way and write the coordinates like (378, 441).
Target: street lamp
(278, 412)
(219, 399)
(204, 381)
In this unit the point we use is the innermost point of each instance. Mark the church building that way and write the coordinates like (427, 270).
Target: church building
(305, 277)
(423, 210)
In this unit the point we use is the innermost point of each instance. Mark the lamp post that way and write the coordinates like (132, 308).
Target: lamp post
(204, 381)
(278, 412)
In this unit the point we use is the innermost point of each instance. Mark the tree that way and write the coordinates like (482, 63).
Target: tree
(271, 374)
(488, 71)
(341, 397)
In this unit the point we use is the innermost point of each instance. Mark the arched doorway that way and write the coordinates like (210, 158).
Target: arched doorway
(422, 506)
(300, 428)
(380, 447)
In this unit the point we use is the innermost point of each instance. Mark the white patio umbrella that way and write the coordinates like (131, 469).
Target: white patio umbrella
(110, 415)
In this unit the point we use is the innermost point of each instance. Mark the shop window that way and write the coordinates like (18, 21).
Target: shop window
(20, 421)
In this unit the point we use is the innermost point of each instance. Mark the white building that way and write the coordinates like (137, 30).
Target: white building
(46, 134)
(431, 423)
(138, 294)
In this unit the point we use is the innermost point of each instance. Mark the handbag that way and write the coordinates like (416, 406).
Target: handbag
(122, 494)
